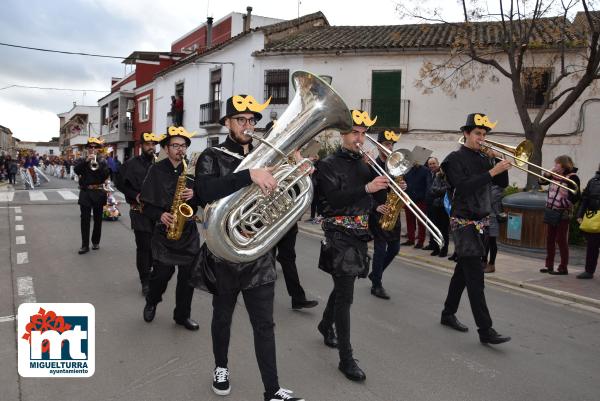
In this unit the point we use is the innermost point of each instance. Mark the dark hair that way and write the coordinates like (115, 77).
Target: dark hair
(565, 162)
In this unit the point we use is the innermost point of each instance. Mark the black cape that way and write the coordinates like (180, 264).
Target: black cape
(129, 181)
(158, 191)
(91, 197)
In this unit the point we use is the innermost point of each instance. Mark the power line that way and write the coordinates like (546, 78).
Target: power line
(61, 51)
(53, 89)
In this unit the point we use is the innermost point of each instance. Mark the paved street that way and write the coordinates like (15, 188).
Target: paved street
(405, 352)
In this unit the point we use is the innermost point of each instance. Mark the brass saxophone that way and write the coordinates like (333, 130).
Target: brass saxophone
(387, 222)
(180, 210)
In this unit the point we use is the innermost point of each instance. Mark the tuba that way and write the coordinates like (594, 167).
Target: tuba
(247, 224)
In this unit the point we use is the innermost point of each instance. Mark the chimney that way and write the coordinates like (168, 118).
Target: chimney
(248, 19)
(209, 22)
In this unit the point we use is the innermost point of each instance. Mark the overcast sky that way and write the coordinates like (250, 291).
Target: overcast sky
(118, 27)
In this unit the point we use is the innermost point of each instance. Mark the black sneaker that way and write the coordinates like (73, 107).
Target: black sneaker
(282, 395)
(220, 383)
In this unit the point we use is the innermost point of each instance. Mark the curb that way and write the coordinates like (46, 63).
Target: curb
(517, 285)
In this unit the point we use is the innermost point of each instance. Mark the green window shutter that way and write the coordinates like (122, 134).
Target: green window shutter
(385, 98)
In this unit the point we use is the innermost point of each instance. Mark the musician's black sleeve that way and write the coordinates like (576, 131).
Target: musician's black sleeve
(79, 167)
(209, 186)
(329, 186)
(459, 179)
(153, 212)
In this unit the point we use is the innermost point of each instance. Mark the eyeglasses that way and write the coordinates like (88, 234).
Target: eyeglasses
(178, 146)
(244, 120)
(93, 147)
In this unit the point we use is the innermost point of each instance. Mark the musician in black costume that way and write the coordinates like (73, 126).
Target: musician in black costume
(470, 171)
(216, 179)
(93, 173)
(129, 181)
(157, 196)
(386, 243)
(345, 187)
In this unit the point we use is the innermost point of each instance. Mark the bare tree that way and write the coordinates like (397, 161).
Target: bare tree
(532, 43)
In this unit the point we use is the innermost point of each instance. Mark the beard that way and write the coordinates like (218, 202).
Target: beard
(241, 138)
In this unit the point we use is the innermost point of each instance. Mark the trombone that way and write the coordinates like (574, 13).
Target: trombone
(398, 163)
(521, 154)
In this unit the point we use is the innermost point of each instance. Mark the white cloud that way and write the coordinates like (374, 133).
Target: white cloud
(34, 124)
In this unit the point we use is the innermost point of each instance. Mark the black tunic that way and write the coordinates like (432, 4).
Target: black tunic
(91, 197)
(380, 197)
(158, 191)
(131, 178)
(215, 179)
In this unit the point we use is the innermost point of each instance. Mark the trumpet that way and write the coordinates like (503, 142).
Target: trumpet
(521, 154)
(397, 164)
(94, 165)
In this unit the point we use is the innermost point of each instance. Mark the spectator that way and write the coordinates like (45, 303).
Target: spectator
(559, 205)
(417, 179)
(178, 111)
(436, 210)
(12, 168)
(590, 202)
(491, 244)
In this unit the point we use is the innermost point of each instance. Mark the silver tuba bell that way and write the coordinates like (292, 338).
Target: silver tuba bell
(247, 224)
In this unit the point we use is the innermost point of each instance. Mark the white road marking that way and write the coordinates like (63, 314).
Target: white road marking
(22, 257)
(20, 240)
(37, 196)
(9, 318)
(19, 227)
(18, 218)
(25, 289)
(7, 196)
(68, 195)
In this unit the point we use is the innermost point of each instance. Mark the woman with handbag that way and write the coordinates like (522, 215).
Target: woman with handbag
(589, 218)
(559, 205)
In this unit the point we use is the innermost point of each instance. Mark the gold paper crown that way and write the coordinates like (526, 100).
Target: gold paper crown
(360, 117)
(151, 137)
(242, 104)
(179, 131)
(95, 141)
(483, 121)
(391, 136)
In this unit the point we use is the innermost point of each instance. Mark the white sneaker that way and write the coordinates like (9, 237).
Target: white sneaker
(221, 384)
(282, 395)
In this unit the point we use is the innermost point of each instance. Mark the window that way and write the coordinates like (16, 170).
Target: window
(536, 81)
(213, 141)
(385, 97)
(144, 108)
(215, 86)
(179, 89)
(277, 85)
(51, 151)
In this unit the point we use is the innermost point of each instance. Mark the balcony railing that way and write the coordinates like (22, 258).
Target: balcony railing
(210, 113)
(404, 116)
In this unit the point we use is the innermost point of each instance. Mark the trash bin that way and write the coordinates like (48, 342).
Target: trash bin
(524, 226)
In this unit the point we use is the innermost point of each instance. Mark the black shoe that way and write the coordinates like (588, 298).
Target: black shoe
(95, 247)
(351, 370)
(379, 292)
(149, 312)
(435, 252)
(83, 249)
(452, 321)
(559, 272)
(490, 336)
(282, 395)
(429, 248)
(329, 337)
(443, 253)
(145, 288)
(585, 275)
(546, 270)
(188, 323)
(407, 242)
(453, 257)
(220, 383)
(418, 246)
(304, 303)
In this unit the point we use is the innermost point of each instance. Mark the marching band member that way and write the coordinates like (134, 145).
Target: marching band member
(386, 244)
(345, 184)
(471, 173)
(92, 172)
(158, 194)
(215, 179)
(130, 178)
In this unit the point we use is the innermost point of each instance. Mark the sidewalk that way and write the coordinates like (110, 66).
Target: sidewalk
(517, 268)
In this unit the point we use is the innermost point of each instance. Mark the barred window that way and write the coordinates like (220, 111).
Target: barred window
(536, 81)
(215, 85)
(277, 86)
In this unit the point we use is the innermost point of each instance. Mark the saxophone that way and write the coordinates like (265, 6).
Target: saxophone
(180, 210)
(387, 222)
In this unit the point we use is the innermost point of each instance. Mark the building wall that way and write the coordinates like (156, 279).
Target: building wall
(140, 127)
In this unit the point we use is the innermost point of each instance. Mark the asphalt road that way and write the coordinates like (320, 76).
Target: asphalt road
(405, 352)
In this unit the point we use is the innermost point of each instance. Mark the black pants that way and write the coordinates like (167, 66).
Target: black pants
(440, 218)
(338, 311)
(491, 250)
(12, 178)
(143, 254)
(86, 216)
(469, 273)
(259, 304)
(159, 279)
(286, 256)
